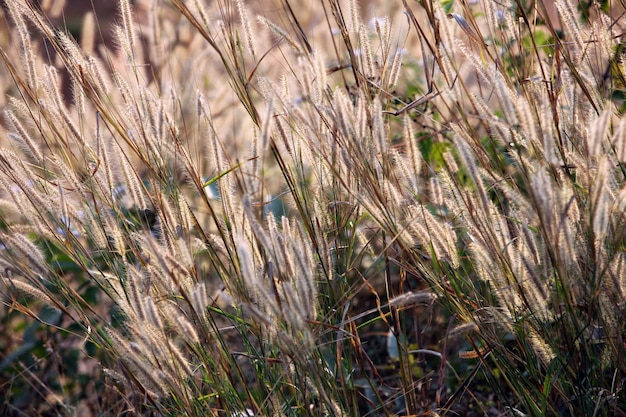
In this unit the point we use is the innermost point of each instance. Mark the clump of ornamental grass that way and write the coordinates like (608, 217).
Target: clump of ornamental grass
(234, 230)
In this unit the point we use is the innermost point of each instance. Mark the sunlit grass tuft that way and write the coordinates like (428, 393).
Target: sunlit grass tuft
(237, 216)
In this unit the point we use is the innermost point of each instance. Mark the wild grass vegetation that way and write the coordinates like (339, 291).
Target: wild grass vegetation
(219, 214)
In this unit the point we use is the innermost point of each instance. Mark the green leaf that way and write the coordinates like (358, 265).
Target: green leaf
(220, 175)
(447, 5)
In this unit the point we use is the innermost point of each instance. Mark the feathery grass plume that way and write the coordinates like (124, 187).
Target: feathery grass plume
(541, 346)
(171, 271)
(94, 231)
(106, 174)
(314, 77)
(431, 232)
(65, 218)
(451, 164)
(362, 118)
(281, 257)
(616, 269)
(365, 52)
(530, 242)
(285, 137)
(114, 232)
(506, 97)
(291, 267)
(247, 28)
(455, 201)
(78, 97)
(620, 202)
(304, 270)
(20, 249)
(152, 313)
(462, 330)
(321, 76)
(571, 26)
(185, 219)
(96, 74)
(529, 128)
(323, 223)
(618, 140)
(17, 11)
(469, 161)
(495, 17)
(262, 306)
(549, 151)
(544, 195)
(383, 30)
(395, 69)
(21, 110)
(405, 174)
(482, 69)
(355, 16)
(410, 299)
(379, 129)
(411, 164)
(309, 88)
(154, 383)
(28, 288)
(601, 200)
(489, 271)
(533, 290)
(501, 130)
(196, 8)
(161, 354)
(436, 193)
(130, 179)
(200, 299)
(127, 34)
(344, 116)
(604, 34)
(134, 297)
(448, 33)
(260, 145)
(21, 180)
(281, 33)
(187, 331)
(72, 53)
(231, 207)
(597, 135)
(279, 93)
(22, 136)
(336, 409)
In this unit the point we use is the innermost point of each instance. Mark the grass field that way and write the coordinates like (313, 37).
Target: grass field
(264, 208)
